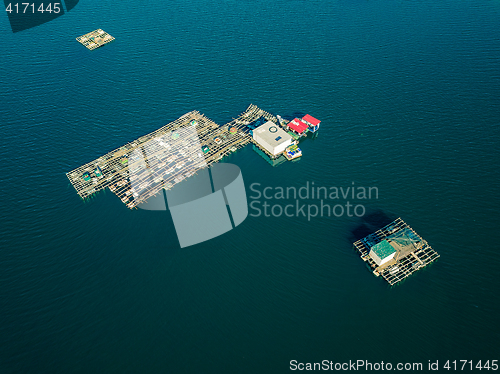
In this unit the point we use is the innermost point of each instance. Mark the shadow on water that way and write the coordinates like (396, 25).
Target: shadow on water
(293, 115)
(372, 221)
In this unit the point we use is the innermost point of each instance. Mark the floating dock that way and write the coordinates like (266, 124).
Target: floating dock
(405, 251)
(95, 39)
(164, 169)
(293, 152)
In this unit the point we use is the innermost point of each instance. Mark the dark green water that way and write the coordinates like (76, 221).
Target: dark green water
(408, 94)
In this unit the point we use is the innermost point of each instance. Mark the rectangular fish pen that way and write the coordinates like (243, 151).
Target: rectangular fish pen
(159, 160)
(395, 251)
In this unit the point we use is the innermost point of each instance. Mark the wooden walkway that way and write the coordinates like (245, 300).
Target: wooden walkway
(160, 168)
(409, 258)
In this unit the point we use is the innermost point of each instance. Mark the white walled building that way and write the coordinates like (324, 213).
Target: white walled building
(382, 252)
(272, 138)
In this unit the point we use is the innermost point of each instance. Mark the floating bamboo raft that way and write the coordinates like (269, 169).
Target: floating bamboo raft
(95, 39)
(164, 169)
(408, 259)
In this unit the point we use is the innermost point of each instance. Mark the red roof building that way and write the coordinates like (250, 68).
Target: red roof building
(310, 119)
(298, 126)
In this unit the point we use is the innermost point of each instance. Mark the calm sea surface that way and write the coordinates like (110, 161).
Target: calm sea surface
(409, 97)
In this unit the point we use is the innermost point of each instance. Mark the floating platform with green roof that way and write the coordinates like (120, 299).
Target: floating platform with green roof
(405, 251)
(383, 251)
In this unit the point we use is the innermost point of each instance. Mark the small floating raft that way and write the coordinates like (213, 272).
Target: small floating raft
(95, 39)
(292, 152)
